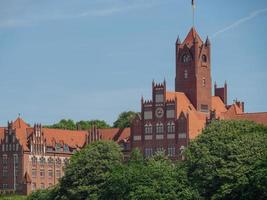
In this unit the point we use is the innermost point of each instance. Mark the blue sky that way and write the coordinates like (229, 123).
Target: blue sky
(93, 59)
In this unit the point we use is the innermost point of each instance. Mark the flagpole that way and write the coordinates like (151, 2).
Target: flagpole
(193, 11)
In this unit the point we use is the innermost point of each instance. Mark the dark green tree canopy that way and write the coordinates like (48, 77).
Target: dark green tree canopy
(227, 161)
(124, 120)
(81, 125)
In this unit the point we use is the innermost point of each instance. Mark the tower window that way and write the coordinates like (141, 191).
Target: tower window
(186, 58)
(204, 58)
(203, 82)
(185, 74)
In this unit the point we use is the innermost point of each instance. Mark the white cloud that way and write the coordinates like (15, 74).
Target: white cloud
(251, 16)
(114, 8)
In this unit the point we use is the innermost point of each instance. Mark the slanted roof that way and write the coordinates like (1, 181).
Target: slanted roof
(197, 120)
(218, 105)
(115, 134)
(73, 139)
(20, 123)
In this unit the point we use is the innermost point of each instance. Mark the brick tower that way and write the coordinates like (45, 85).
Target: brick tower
(193, 72)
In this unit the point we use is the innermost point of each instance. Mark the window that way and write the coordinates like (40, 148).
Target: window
(204, 108)
(186, 58)
(50, 184)
(5, 186)
(159, 128)
(182, 135)
(42, 186)
(50, 173)
(204, 58)
(58, 161)
(42, 161)
(171, 127)
(160, 149)
(58, 147)
(203, 82)
(34, 160)
(148, 152)
(182, 148)
(50, 161)
(66, 148)
(159, 98)
(185, 74)
(58, 173)
(171, 151)
(42, 173)
(148, 115)
(5, 173)
(34, 173)
(33, 186)
(148, 129)
(170, 114)
(17, 147)
(3, 147)
(5, 161)
(66, 161)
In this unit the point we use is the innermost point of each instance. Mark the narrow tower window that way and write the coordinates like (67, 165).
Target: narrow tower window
(185, 74)
(204, 58)
(203, 82)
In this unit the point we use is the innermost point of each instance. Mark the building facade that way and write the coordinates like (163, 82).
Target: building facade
(170, 120)
(34, 158)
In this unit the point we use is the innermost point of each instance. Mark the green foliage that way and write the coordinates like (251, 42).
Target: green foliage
(154, 178)
(228, 161)
(82, 125)
(12, 197)
(88, 170)
(124, 120)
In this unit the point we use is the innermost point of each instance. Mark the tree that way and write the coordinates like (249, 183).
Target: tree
(124, 120)
(86, 125)
(64, 124)
(153, 178)
(228, 161)
(88, 171)
(81, 125)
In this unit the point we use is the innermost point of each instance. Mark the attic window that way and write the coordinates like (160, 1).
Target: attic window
(58, 147)
(66, 148)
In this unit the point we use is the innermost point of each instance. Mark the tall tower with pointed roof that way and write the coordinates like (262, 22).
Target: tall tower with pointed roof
(193, 72)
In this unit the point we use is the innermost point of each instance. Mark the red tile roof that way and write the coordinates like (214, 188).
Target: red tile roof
(197, 120)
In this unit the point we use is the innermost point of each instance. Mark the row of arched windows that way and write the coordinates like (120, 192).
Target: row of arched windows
(160, 128)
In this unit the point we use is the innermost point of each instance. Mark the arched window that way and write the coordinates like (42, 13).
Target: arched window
(148, 128)
(204, 58)
(170, 127)
(186, 58)
(185, 74)
(159, 128)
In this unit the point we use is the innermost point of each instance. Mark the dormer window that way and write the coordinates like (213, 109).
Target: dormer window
(66, 148)
(58, 147)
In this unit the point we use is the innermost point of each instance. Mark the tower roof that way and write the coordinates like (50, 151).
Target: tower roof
(20, 123)
(192, 36)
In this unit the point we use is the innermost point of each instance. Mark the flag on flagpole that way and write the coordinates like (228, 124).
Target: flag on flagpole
(193, 4)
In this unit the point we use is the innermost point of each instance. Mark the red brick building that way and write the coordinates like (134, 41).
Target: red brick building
(34, 157)
(171, 119)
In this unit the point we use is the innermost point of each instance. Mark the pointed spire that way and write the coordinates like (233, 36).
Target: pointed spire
(207, 43)
(178, 41)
